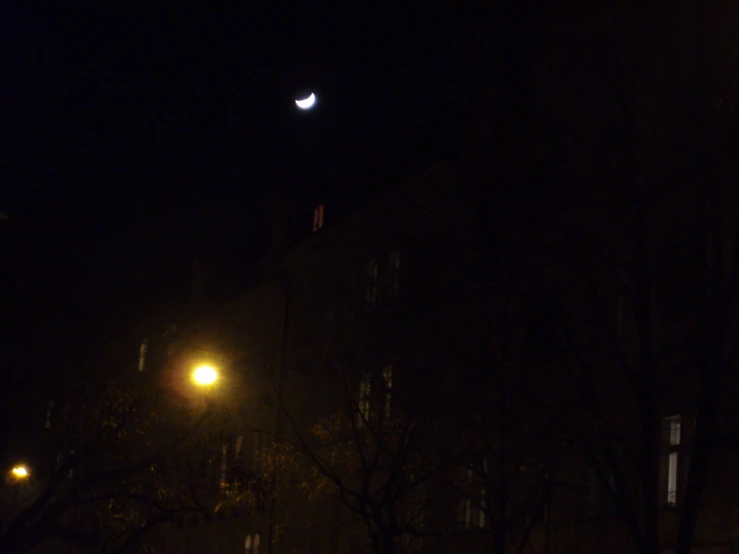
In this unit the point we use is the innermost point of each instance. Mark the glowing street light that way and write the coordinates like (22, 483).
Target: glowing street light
(20, 472)
(204, 375)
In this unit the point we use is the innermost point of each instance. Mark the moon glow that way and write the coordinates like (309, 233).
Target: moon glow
(306, 103)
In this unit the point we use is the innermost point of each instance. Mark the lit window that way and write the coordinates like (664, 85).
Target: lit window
(365, 390)
(318, 217)
(387, 376)
(371, 291)
(142, 354)
(674, 431)
(672, 480)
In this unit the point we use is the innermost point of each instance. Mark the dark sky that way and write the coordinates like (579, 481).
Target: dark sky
(126, 126)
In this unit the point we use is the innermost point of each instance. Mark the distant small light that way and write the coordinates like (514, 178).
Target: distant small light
(21, 472)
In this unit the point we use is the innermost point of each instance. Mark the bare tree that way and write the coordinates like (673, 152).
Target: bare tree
(120, 463)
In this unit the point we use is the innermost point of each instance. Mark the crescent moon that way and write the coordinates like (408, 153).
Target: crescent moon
(306, 103)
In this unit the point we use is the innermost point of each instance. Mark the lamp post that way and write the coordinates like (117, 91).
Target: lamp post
(205, 376)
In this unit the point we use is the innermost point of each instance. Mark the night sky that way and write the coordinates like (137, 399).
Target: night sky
(128, 128)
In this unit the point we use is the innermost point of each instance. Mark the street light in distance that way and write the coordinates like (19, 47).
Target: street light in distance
(204, 375)
(20, 472)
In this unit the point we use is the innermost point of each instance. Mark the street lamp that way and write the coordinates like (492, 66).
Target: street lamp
(204, 375)
(20, 472)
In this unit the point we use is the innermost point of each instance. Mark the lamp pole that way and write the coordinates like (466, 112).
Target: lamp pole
(285, 280)
(205, 376)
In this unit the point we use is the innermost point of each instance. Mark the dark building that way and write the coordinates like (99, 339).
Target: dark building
(597, 341)
(550, 325)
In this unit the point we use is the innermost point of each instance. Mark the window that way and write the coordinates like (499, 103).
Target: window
(251, 544)
(672, 480)
(261, 442)
(142, 354)
(483, 493)
(170, 337)
(624, 285)
(371, 290)
(61, 458)
(673, 426)
(365, 391)
(71, 469)
(473, 503)
(602, 486)
(393, 276)
(135, 506)
(387, 377)
(415, 516)
(237, 448)
(224, 466)
(230, 459)
(682, 287)
(383, 396)
(466, 513)
(49, 410)
(318, 217)
(251, 445)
